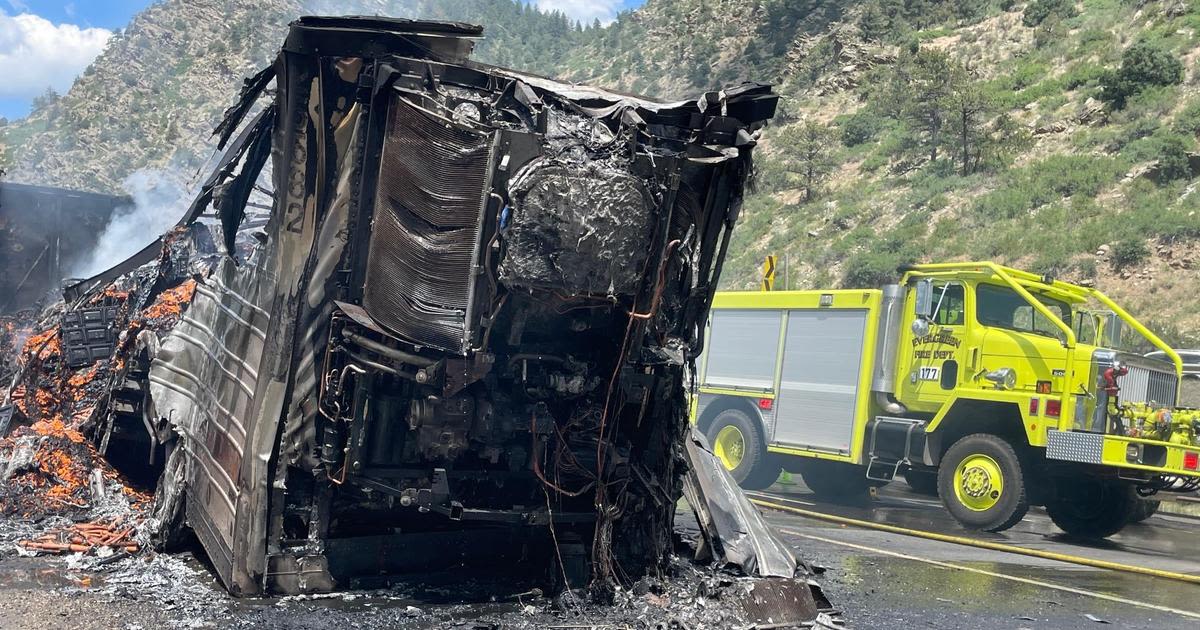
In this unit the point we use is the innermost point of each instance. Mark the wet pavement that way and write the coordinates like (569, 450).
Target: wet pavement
(890, 580)
(878, 580)
(1165, 541)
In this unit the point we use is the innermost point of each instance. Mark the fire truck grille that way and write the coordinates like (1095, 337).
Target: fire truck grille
(1143, 384)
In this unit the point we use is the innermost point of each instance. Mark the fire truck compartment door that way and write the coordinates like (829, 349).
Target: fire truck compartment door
(818, 390)
(741, 353)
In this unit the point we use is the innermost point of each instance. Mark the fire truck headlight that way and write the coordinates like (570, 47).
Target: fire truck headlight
(1004, 378)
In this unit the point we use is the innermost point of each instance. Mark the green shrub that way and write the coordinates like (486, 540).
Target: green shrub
(1087, 268)
(1048, 264)
(1156, 211)
(1173, 163)
(1130, 251)
(1143, 65)
(1093, 39)
(1049, 180)
(874, 162)
(1082, 74)
(1028, 73)
(871, 269)
(1039, 11)
(860, 127)
(1188, 121)
(1049, 36)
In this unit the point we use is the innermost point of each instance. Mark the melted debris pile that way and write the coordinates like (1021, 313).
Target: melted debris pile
(684, 596)
(48, 461)
(15, 329)
(62, 411)
(103, 537)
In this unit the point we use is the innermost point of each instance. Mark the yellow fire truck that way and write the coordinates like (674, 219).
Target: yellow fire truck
(996, 388)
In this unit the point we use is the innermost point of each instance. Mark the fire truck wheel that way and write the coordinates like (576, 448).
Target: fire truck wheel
(835, 481)
(1091, 508)
(981, 483)
(738, 442)
(1143, 510)
(922, 481)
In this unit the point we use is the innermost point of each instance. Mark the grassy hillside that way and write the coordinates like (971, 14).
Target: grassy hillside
(1078, 163)
(1052, 135)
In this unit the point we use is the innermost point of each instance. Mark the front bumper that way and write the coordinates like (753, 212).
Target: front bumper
(1154, 456)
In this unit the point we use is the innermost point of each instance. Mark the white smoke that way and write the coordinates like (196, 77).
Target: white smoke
(159, 200)
(584, 11)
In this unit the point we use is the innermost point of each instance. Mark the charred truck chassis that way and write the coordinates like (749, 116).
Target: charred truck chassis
(464, 333)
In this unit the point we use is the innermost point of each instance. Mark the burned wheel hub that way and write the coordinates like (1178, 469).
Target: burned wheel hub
(978, 482)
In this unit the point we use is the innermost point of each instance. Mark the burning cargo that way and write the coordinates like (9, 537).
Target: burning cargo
(468, 317)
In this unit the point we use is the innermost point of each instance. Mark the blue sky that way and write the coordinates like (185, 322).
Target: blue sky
(109, 14)
(47, 43)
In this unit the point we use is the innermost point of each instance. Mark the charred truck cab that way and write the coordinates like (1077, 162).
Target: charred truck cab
(991, 387)
(467, 319)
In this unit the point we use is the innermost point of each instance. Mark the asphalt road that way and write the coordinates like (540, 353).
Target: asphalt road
(880, 580)
(892, 580)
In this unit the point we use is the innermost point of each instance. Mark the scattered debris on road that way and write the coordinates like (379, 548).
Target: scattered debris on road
(103, 536)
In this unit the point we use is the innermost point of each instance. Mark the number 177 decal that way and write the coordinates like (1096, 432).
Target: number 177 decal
(928, 373)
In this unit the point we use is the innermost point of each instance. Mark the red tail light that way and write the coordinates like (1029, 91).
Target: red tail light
(1033, 406)
(1053, 407)
(1191, 460)
(765, 404)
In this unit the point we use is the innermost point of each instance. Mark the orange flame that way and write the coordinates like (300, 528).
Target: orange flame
(47, 341)
(170, 303)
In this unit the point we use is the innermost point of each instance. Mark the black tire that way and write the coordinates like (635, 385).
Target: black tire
(1144, 509)
(1009, 504)
(922, 481)
(834, 481)
(757, 469)
(1091, 508)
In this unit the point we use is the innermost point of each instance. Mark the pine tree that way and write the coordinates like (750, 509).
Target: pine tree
(812, 143)
(921, 88)
(969, 108)
(874, 23)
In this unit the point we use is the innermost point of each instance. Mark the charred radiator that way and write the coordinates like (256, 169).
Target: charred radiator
(429, 206)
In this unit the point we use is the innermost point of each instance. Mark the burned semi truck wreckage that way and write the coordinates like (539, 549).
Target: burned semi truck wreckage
(463, 334)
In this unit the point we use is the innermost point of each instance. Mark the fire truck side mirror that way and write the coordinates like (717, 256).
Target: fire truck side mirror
(924, 299)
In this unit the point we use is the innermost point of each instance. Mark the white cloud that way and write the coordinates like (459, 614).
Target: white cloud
(36, 54)
(583, 10)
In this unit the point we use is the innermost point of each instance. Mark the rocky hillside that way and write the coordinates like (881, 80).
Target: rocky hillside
(1066, 146)
(1052, 134)
(152, 98)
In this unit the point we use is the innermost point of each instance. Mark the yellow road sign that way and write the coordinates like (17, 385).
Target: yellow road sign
(768, 277)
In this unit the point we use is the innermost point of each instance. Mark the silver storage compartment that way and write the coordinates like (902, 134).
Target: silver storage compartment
(818, 391)
(742, 349)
